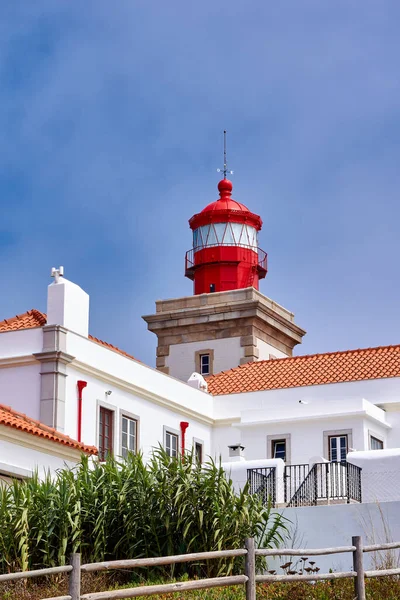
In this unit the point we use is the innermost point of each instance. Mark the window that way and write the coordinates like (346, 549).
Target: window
(204, 364)
(128, 435)
(375, 443)
(279, 449)
(338, 446)
(279, 446)
(198, 451)
(203, 361)
(106, 418)
(171, 443)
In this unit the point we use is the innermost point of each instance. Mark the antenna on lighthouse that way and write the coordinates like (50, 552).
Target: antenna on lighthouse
(225, 169)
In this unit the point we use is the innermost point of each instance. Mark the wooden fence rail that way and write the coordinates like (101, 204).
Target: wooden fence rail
(249, 578)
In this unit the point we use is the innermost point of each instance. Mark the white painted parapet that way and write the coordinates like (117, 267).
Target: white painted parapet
(380, 475)
(237, 471)
(68, 306)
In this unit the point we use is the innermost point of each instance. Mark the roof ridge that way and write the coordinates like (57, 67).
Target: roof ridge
(302, 357)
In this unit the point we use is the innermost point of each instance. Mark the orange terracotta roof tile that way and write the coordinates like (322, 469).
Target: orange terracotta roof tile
(313, 369)
(34, 318)
(17, 420)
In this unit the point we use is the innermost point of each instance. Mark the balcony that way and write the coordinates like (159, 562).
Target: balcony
(196, 257)
(323, 483)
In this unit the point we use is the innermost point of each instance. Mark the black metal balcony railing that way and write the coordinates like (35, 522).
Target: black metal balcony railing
(293, 477)
(262, 482)
(190, 261)
(334, 481)
(324, 483)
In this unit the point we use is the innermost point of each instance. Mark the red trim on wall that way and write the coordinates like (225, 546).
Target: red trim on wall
(81, 386)
(184, 425)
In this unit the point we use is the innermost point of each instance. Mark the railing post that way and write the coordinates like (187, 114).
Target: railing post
(250, 569)
(358, 567)
(315, 484)
(74, 585)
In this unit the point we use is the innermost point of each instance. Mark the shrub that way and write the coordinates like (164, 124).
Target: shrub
(116, 510)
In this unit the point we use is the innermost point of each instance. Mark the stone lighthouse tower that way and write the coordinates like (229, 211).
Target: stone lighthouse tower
(227, 322)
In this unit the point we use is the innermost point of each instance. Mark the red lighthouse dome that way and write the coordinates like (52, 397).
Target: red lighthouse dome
(225, 254)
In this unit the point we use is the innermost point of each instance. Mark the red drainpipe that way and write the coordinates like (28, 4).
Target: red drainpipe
(81, 385)
(184, 425)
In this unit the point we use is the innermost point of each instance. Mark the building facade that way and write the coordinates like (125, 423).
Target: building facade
(226, 384)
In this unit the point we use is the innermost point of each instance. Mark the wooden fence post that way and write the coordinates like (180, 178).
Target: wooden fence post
(74, 587)
(250, 569)
(358, 567)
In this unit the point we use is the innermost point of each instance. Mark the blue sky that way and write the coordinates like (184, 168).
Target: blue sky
(112, 114)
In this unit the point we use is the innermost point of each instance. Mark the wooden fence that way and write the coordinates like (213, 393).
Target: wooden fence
(249, 579)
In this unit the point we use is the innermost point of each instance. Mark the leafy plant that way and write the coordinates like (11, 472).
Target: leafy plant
(118, 510)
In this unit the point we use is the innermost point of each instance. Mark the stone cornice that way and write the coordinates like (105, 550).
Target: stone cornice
(17, 361)
(235, 305)
(54, 355)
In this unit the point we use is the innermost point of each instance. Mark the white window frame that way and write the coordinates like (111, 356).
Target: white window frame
(197, 361)
(284, 437)
(131, 416)
(336, 433)
(205, 355)
(201, 443)
(175, 432)
(376, 436)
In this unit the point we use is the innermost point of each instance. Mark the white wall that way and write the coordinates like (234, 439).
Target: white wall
(20, 389)
(181, 359)
(377, 391)
(267, 349)
(112, 366)
(21, 461)
(306, 438)
(393, 435)
(21, 343)
(152, 417)
(264, 415)
(380, 475)
(334, 525)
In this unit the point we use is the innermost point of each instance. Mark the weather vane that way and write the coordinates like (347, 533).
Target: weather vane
(225, 170)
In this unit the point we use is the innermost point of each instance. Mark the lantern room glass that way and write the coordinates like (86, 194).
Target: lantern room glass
(225, 234)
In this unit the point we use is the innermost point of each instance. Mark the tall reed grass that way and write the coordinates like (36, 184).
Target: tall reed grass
(116, 510)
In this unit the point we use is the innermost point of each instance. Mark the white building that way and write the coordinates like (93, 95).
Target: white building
(290, 412)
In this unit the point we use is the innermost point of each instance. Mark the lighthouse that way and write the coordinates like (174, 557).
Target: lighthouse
(225, 254)
(227, 321)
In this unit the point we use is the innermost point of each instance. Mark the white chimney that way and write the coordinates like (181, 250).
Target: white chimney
(67, 304)
(197, 381)
(236, 452)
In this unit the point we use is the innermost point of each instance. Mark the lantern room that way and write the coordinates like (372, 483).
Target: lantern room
(225, 254)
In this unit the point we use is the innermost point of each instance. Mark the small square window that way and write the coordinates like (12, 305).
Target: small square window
(279, 449)
(171, 444)
(375, 443)
(198, 450)
(204, 364)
